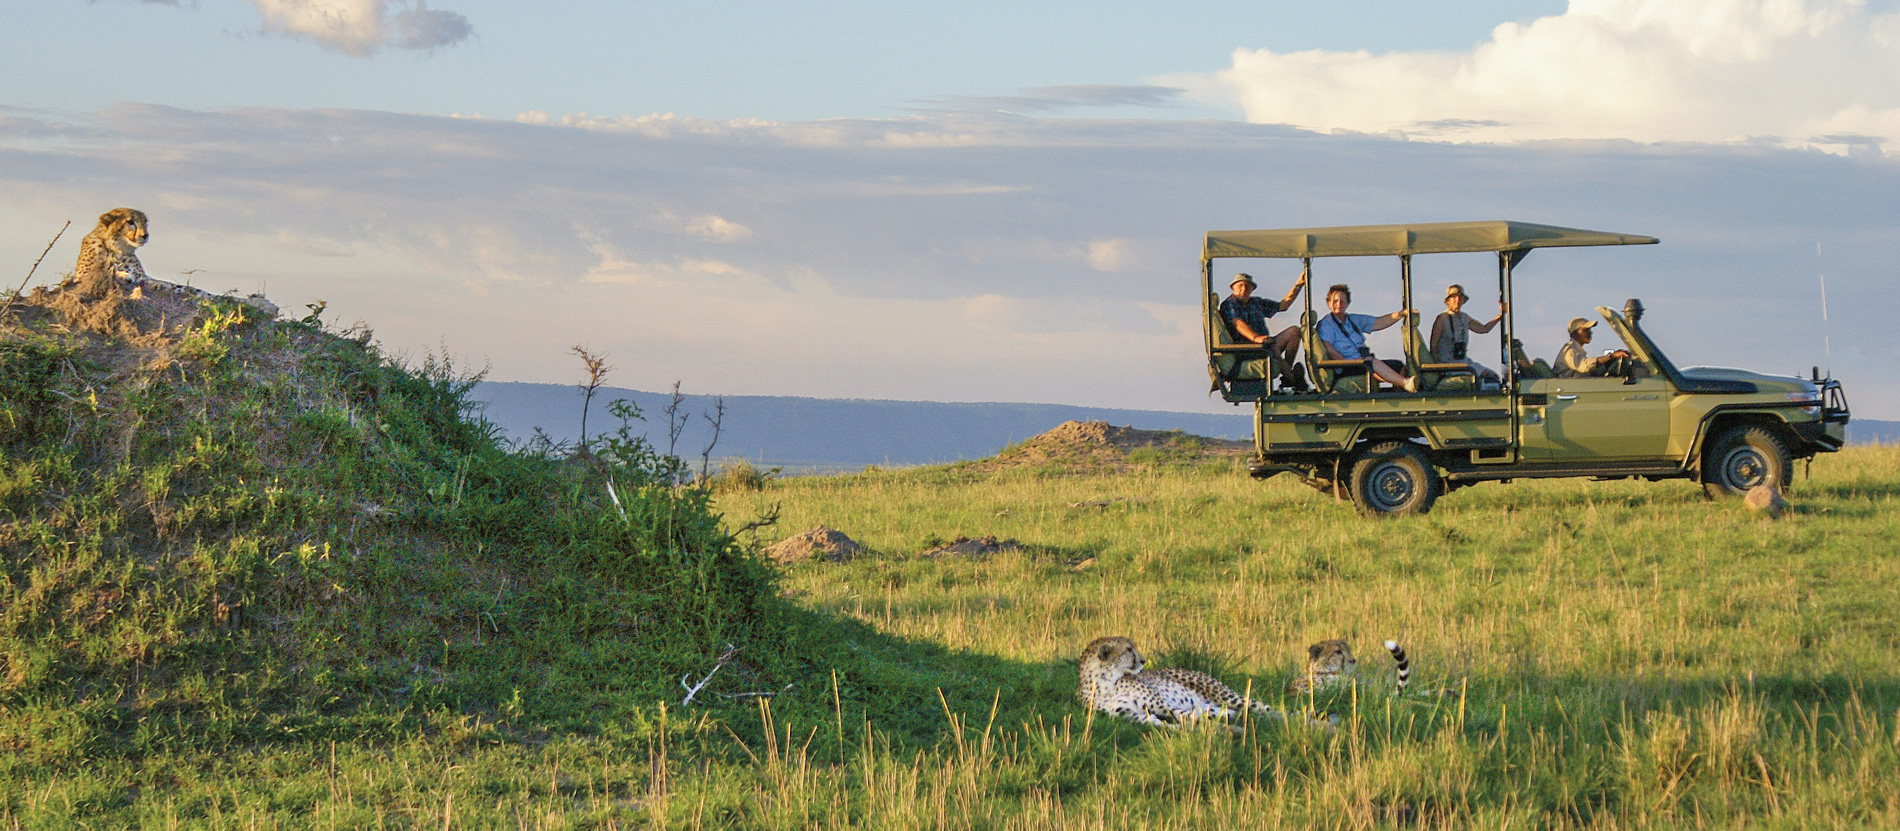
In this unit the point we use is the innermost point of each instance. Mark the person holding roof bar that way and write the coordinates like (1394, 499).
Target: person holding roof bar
(1451, 333)
(1247, 316)
(1343, 336)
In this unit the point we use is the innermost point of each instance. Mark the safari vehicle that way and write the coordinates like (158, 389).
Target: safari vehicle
(1396, 452)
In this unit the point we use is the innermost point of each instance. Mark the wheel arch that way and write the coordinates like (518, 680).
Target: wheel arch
(1720, 420)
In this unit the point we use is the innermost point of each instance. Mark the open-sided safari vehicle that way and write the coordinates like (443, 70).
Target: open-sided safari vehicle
(1393, 451)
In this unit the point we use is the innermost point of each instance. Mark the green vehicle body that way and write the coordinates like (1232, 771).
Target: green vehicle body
(1395, 452)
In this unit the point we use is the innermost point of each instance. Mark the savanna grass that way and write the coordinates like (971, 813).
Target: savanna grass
(1610, 655)
(258, 593)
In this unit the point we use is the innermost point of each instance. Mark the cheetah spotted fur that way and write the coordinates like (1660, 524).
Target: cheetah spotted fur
(1113, 681)
(106, 254)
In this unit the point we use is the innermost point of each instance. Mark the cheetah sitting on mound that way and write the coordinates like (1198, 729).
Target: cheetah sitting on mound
(106, 255)
(1330, 663)
(1113, 681)
(107, 260)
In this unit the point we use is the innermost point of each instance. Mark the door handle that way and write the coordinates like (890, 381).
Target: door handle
(1562, 397)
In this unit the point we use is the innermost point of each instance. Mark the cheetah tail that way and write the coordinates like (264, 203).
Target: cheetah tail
(1404, 666)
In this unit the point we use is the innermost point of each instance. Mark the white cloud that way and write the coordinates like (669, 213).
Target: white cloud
(1107, 254)
(361, 28)
(717, 228)
(1785, 71)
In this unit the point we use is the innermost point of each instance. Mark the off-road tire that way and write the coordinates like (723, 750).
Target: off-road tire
(1394, 478)
(1742, 457)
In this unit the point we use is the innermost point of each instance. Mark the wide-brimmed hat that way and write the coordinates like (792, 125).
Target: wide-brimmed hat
(1579, 323)
(1455, 290)
(1243, 278)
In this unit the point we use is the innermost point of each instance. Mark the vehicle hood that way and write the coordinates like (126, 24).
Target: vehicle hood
(1762, 381)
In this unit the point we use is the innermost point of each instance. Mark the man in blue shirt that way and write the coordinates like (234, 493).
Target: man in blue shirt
(1343, 336)
(1247, 316)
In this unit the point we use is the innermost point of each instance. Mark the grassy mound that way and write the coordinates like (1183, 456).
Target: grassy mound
(219, 528)
(1097, 447)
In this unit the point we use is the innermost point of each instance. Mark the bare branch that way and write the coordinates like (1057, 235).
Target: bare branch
(761, 694)
(597, 370)
(36, 264)
(675, 424)
(765, 520)
(693, 689)
(705, 457)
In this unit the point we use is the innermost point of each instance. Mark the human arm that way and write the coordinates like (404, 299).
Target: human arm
(1287, 301)
(1385, 320)
(1245, 332)
(1486, 327)
(1577, 358)
(1238, 311)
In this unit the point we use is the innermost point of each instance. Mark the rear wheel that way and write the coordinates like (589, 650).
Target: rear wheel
(1394, 478)
(1743, 457)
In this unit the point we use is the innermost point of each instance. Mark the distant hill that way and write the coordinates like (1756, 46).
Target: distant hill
(827, 433)
(843, 433)
(1866, 431)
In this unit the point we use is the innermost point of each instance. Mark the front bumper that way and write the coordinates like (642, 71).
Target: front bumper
(1824, 436)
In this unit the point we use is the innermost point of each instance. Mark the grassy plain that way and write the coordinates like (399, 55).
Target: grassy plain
(1625, 654)
(244, 597)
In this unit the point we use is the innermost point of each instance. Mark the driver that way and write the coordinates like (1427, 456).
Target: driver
(1574, 359)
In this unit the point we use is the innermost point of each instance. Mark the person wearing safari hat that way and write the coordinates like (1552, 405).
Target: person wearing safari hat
(1451, 333)
(1247, 316)
(1575, 361)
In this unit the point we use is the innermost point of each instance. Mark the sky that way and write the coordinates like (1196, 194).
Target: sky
(980, 201)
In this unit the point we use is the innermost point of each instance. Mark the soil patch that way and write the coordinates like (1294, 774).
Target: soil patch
(819, 543)
(1095, 445)
(972, 547)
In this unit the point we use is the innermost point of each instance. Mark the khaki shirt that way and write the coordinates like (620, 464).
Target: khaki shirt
(1574, 361)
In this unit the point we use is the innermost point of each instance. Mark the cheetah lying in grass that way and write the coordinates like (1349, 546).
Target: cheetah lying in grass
(1330, 664)
(1113, 681)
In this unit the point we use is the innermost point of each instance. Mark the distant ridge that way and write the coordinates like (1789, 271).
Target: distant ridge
(828, 433)
(809, 434)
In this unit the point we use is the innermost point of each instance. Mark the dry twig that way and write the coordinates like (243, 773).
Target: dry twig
(693, 689)
(36, 264)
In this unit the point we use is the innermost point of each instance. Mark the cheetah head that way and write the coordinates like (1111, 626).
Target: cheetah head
(125, 229)
(1329, 658)
(1107, 660)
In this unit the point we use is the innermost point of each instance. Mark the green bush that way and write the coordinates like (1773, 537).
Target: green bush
(295, 536)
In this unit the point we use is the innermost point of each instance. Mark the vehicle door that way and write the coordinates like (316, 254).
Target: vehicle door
(1588, 419)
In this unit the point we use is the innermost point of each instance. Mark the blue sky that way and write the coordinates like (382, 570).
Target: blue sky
(744, 59)
(973, 202)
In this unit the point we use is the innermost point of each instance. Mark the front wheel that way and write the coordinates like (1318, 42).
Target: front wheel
(1744, 457)
(1394, 478)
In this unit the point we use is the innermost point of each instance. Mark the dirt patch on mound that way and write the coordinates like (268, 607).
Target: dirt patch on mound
(819, 543)
(974, 548)
(1084, 445)
(153, 326)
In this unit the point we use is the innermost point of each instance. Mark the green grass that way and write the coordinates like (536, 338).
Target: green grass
(259, 576)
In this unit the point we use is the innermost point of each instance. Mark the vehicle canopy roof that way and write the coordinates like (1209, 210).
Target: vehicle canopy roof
(1393, 240)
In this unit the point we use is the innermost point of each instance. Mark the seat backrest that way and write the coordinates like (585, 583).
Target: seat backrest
(1326, 380)
(1219, 334)
(1237, 377)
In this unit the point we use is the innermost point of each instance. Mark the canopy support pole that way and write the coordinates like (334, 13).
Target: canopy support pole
(1410, 333)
